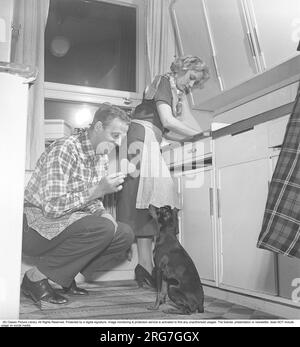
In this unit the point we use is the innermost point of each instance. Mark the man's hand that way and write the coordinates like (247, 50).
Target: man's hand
(111, 218)
(108, 185)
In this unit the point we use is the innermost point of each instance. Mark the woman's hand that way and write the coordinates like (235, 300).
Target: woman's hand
(171, 123)
(175, 137)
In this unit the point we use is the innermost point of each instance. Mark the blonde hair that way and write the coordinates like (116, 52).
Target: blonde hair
(190, 62)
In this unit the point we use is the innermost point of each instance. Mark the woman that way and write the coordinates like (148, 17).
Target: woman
(151, 184)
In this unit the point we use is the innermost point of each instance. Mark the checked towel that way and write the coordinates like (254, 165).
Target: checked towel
(281, 224)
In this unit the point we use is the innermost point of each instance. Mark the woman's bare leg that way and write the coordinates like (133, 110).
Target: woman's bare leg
(145, 253)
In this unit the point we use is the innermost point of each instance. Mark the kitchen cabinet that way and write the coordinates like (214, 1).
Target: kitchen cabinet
(197, 220)
(193, 175)
(232, 41)
(239, 42)
(242, 173)
(276, 28)
(243, 190)
(193, 39)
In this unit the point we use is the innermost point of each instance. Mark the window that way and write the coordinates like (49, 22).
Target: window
(91, 44)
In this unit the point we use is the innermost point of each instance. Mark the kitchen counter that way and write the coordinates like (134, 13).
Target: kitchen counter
(248, 123)
(237, 127)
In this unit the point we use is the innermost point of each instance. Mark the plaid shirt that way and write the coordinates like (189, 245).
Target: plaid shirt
(281, 225)
(57, 193)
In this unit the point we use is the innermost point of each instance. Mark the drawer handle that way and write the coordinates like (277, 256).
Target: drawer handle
(194, 150)
(242, 131)
(127, 101)
(211, 200)
(219, 203)
(275, 148)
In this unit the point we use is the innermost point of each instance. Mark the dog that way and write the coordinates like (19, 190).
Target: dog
(176, 273)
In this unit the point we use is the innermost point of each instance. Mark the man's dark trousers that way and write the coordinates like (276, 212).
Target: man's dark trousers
(82, 247)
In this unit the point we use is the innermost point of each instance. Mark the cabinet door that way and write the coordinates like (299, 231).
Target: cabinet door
(288, 268)
(243, 189)
(196, 226)
(277, 25)
(229, 35)
(193, 38)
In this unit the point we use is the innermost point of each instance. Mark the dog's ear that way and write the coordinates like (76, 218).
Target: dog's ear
(175, 220)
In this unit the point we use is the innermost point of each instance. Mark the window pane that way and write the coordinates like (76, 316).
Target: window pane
(76, 114)
(91, 44)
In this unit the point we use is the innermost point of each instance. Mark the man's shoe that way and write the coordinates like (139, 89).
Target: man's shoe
(74, 290)
(41, 292)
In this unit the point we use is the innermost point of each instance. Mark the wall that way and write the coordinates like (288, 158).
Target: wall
(6, 12)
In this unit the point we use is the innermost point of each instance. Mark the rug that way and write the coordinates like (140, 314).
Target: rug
(126, 301)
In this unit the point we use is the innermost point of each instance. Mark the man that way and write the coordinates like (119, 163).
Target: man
(65, 224)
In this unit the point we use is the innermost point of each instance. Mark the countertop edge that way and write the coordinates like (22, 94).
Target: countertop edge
(238, 126)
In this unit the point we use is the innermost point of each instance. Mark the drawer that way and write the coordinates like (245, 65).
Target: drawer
(276, 131)
(187, 153)
(173, 155)
(246, 145)
(196, 150)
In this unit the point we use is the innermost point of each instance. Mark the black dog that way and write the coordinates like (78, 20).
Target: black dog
(176, 274)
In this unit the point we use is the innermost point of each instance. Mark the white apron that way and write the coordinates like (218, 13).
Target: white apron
(156, 186)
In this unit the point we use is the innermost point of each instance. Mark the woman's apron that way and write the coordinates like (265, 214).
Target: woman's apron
(156, 185)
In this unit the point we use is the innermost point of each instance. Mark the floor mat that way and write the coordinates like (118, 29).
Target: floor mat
(126, 301)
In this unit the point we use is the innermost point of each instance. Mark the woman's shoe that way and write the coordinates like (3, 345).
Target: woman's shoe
(142, 276)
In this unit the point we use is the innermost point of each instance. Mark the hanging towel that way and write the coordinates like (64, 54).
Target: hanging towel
(281, 224)
(156, 185)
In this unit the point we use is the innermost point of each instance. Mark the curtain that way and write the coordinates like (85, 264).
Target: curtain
(161, 47)
(30, 17)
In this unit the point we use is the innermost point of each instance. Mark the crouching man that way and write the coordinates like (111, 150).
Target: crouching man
(65, 224)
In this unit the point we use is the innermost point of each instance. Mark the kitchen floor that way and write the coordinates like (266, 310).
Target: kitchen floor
(125, 301)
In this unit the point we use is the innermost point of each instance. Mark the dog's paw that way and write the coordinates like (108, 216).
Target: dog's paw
(152, 308)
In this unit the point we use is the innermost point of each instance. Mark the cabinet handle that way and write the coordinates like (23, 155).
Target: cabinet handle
(219, 203)
(127, 101)
(257, 41)
(194, 150)
(260, 52)
(251, 44)
(211, 200)
(276, 148)
(214, 58)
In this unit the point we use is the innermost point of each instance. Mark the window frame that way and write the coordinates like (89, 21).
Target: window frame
(59, 91)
